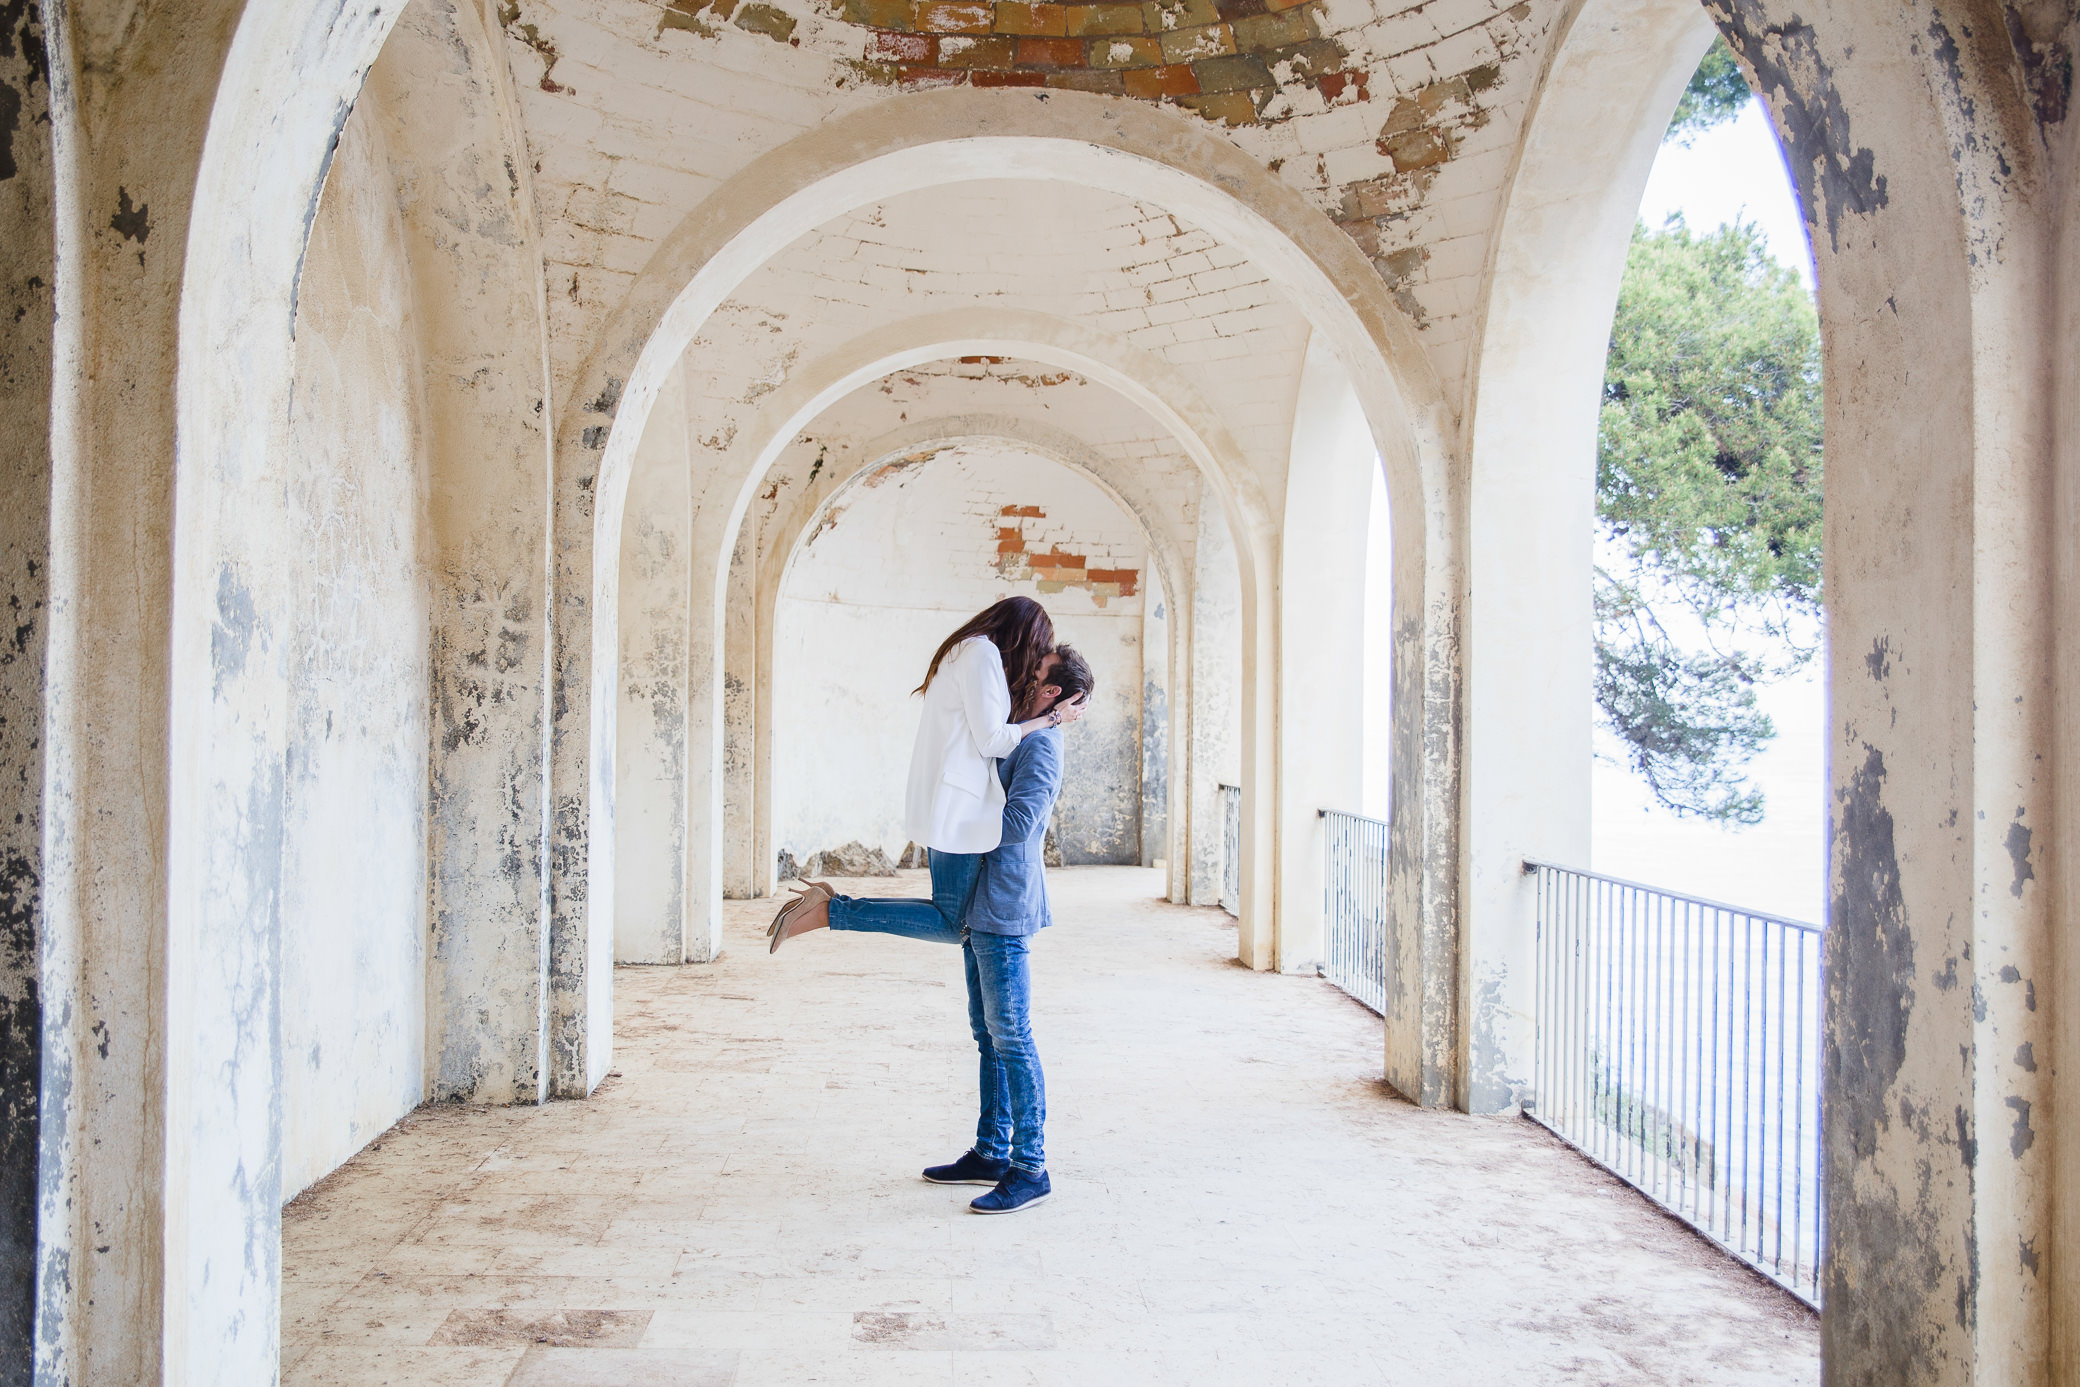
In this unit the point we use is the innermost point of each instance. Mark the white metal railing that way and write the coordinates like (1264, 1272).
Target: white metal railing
(1354, 905)
(1231, 849)
(1679, 1048)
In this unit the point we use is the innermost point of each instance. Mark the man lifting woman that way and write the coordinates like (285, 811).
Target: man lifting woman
(984, 777)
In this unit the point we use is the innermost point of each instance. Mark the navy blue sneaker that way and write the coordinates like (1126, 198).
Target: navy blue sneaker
(1019, 1189)
(970, 1169)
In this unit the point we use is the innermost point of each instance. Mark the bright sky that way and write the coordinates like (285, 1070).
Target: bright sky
(1735, 171)
(1778, 866)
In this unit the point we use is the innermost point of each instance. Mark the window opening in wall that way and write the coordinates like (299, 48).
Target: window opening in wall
(1679, 1037)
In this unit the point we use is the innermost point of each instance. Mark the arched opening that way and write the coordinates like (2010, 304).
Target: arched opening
(838, 366)
(904, 554)
(1610, 1001)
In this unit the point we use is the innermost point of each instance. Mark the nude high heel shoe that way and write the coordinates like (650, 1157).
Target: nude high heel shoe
(806, 891)
(788, 922)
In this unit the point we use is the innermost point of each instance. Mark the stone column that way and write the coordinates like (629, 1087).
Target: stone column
(1531, 443)
(650, 725)
(468, 211)
(741, 662)
(1216, 740)
(1321, 668)
(27, 272)
(1155, 719)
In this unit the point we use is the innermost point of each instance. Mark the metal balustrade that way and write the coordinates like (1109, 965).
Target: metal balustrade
(1354, 906)
(1679, 1048)
(1231, 849)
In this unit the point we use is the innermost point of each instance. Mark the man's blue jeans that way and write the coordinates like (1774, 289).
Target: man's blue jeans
(1013, 1089)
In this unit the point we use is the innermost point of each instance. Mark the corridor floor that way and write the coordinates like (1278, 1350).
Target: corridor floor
(1238, 1199)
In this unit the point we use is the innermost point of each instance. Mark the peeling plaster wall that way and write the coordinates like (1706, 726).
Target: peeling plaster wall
(1321, 641)
(650, 823)
(26, 310)
(741, 877)
(897, 562)
(457, 157)
(1397, 118)
(1155, 724)
(1216, 750)
(354, 816)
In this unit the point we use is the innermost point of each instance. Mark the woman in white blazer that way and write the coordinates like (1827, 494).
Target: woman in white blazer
(955, 803)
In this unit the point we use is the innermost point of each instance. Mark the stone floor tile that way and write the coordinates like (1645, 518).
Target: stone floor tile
(1239, 1199)
(597, 1367)
(352, 1365)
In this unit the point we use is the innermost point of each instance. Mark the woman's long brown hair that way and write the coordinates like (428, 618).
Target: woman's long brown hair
(1021, 631)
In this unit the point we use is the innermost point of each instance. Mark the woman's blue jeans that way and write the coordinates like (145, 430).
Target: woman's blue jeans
(1013, 1089)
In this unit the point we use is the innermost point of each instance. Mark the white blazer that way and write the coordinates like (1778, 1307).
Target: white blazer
(956, 802)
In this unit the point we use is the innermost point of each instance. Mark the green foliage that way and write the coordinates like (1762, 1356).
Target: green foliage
(1708, 487)
(1716, 94)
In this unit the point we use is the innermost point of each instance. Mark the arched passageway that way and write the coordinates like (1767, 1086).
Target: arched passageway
(464, 248)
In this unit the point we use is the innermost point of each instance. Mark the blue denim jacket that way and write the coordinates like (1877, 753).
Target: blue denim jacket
(1011, 892)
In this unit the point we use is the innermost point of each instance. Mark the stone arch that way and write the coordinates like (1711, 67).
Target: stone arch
(288, 81)
(443, 91)
(1582, 164)
(1149, 382)
(1911, 140)
(1166, 552)
(957, 135)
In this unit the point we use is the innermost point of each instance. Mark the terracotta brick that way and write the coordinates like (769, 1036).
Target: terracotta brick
(1434, 97)
(1241, 72)
(1235, 108)
(1028, 512)
(1274, 6)
(1334, 84)
(1042, 20)
(1164, 16)
(955, 16)
(1154, 83)
(1046, 52)
(1416, 149)
(1095, 20)
(1011, 546)
(881, 14)
(1314, 58)
(987, 50)
(886, 47)
(1207, 41)
(1131, 51)
(923, 78)
(1402, 117)
(775, 24)
(1121, 576)
(1272, 30)
(985, 77)
(1232, 10)
(1366, 234)
(1103, 83)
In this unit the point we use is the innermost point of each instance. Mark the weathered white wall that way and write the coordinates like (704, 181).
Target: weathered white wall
(1155, 722)
(1321, 640)
(650, 725)
(353, 899)
(895, 564)
(1531, 446)
(741, 659)
(1216, 652)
